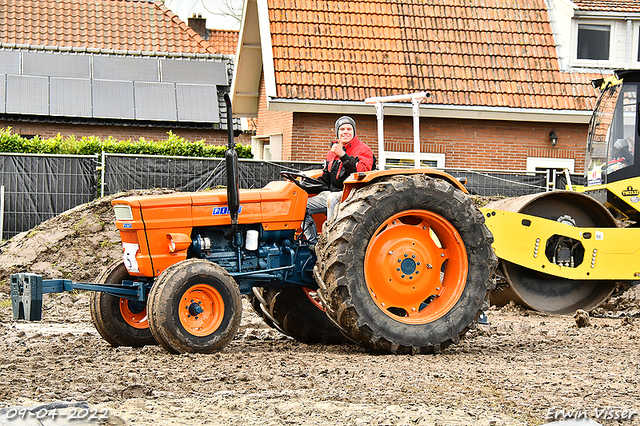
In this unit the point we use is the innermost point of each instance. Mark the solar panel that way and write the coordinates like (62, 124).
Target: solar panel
(128, 69)
(197, 103)
(9, 62)
(27, 95)
(113, 99)
(3, 103)
(155, 101)
(70, 97)
(113, 87)
(56, 65)
(196, 72)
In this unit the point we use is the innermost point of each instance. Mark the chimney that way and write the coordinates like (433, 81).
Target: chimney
(199, 25)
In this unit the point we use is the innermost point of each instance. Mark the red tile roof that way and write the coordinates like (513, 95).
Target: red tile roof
(130, 25)
(224, 42)
(483, 53)
(608, 5)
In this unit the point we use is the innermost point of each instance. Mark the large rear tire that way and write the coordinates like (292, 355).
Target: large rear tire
(120, 321)
(406, 265)
(195, 306)
(299, 313)
(259, 307)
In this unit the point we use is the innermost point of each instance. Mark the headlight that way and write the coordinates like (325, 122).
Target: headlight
(123, 212)
(178, 242)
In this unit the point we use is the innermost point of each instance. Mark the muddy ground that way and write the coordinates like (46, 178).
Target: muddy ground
(524, 368)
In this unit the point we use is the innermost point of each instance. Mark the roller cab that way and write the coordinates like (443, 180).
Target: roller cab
(612, 168)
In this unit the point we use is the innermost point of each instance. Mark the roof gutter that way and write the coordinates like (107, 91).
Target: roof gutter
(433, 111)
(606, 14)
(98, 51)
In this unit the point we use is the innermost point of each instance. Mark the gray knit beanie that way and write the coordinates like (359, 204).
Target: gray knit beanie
(345, 119)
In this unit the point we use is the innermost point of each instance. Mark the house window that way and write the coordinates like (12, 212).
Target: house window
(537, 164)
(638, 48)
(594, 42)
(554, 170)
(260, 148)
(267, 147)
(405, 160)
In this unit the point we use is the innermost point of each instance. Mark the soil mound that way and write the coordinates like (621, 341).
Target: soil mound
(75, 245)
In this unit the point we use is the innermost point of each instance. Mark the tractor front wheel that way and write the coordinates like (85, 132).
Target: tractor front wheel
(120, 321)
(195, 306)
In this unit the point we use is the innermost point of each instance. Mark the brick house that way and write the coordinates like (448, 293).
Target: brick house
(121, 68)
(503, 75)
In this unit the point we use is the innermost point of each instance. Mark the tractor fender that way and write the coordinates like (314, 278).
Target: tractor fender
(360, 179)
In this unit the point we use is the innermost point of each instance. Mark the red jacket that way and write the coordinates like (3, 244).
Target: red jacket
(359, 158)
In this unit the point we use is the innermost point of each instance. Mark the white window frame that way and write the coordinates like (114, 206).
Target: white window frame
(550, 163)
(272, 150)
(593, 62)
(257, 147)
(635, 45)
(439, 158)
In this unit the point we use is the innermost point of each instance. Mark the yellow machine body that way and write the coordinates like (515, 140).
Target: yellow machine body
(609, 253)
(621, 197)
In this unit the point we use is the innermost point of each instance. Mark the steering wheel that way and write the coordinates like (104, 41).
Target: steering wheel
(306, 183)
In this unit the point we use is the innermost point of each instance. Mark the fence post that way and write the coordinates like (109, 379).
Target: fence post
(102, 175)
(1, 211)
(567, 176)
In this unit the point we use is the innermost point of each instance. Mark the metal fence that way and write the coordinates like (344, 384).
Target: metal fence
(124, 172)
(38, 187)
(513, 184)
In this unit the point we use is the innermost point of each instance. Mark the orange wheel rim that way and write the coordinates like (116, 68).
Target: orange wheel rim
(201, 310)
(134, 313)
(313, 297)
(415, 266)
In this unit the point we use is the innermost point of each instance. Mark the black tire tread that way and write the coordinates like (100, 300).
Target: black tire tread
(299, 318)
(107, 326)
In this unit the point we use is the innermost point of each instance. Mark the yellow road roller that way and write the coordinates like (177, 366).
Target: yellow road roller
(565, 250)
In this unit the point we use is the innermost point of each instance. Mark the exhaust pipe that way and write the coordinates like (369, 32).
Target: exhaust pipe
(231, 161)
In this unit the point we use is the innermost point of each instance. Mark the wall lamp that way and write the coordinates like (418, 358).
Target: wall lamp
(553, 138)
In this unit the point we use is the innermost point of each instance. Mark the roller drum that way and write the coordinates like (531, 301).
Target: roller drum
(543, 292)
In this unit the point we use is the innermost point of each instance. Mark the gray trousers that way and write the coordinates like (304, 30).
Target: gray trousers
(325, 202)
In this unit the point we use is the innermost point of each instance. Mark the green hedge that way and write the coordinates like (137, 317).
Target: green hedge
(173, 146)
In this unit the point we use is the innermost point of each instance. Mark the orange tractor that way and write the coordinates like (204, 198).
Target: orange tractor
(404, 266)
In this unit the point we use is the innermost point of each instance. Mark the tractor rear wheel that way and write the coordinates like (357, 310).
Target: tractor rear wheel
(256, 300)
(300, 314)
(120, 321)
(195, 306)
(406, 265)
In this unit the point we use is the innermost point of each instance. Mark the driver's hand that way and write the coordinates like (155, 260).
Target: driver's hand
(337, 149)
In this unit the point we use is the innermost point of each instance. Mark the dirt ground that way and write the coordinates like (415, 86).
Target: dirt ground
(524, 368)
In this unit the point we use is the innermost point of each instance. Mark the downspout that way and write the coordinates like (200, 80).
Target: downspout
(628, 43)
